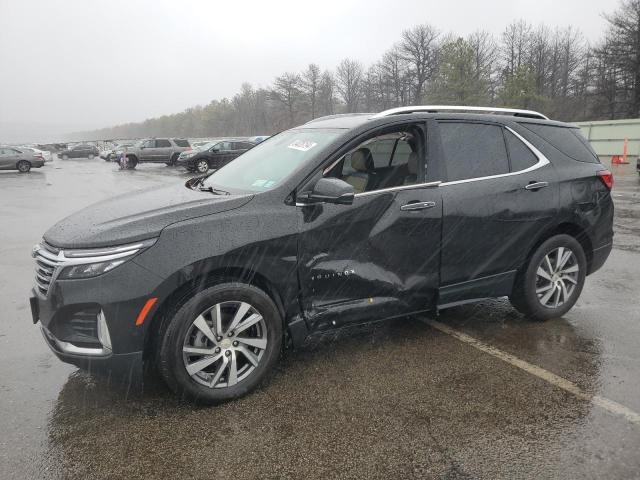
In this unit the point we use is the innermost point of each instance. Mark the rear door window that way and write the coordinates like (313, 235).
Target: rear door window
(566, 139)
(519, 154)
(473, 150)
(162, 143)
(182, 142)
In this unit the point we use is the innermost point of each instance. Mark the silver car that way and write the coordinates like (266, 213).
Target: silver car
(21, 159)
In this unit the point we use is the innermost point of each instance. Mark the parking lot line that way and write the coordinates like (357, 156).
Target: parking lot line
(609, 405)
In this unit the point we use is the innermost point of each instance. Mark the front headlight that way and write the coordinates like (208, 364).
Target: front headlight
(96, 261)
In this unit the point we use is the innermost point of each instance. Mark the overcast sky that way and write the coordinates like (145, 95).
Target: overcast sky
(69, 65)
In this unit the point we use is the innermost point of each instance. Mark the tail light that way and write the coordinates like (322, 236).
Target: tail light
(607, 178)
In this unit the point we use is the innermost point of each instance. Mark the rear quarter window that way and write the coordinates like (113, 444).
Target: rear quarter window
(565, 139)
(182, 142)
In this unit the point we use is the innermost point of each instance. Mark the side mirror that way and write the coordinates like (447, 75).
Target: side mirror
(332, 190)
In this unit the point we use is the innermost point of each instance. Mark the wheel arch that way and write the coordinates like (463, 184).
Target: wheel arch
(184, 285)
(572, 229)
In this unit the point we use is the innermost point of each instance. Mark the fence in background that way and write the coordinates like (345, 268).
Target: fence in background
(607, 137)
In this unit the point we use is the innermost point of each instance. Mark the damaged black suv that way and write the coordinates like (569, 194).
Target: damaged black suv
(345, 219)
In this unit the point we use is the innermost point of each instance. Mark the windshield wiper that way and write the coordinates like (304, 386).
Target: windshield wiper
(216, 191)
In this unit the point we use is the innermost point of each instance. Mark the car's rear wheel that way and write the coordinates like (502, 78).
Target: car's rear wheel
(132, 162)
(202, 166)
(221, 343)
(173, 160)
(23, 166)
(90, 156)
(65, 157)
(553, 279)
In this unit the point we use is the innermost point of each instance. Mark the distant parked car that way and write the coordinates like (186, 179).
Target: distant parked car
(157, 150)
(43, 153)
(213, 155)
(258, 138)
(638, 165)
(112, 154)
(18, 158)
(82, 150)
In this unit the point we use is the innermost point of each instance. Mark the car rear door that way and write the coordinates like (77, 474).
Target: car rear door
(378, 257)
(163, 150)
(8, 158)
(500, 192)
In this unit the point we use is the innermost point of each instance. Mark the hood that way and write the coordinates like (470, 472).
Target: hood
(137, 216)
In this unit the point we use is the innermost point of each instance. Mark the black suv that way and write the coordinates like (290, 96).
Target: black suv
(79, 151)
(214, 155)
(346, 219)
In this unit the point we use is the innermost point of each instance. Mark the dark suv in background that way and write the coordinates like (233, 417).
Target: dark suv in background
(214, 154)
(79, 151)
(346, 219)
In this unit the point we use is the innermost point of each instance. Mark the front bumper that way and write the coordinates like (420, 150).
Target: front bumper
(186, 162)
(92, 321)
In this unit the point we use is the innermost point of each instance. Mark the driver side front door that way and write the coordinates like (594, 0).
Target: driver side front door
(378, 257)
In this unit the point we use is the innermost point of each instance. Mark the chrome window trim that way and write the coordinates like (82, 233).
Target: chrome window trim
(401, 187)
(542, 161)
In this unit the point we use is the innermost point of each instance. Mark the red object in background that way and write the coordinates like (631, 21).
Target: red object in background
(607, 178)
(615, 160)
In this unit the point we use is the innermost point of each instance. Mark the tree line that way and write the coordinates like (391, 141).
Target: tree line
(556, 71)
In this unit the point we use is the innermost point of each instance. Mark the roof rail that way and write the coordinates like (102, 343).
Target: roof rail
(455, 108)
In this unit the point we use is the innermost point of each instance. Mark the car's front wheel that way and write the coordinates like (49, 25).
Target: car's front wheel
(202, 166)
(553, 279)
(23, 166)
(221, 343)
(90, 156)
(65, 157)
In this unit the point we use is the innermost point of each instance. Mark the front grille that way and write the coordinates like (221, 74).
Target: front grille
(47, 261)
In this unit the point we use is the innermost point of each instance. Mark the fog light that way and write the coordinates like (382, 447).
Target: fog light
(103, 331)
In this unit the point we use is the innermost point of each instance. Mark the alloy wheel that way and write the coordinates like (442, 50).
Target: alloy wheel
(224, 344)
(557, 277)
(202, 166)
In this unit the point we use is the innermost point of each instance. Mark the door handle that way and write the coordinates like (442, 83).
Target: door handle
(417, 206)
(536, 185)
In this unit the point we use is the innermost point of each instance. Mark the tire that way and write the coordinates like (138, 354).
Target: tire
(23, 166)
(202, 166)
(65, 157)
(550, 293)
(90, 157)
(208, 383)
(132, 163)
(173, 160)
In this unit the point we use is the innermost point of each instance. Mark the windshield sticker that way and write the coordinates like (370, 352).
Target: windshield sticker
(302, 145)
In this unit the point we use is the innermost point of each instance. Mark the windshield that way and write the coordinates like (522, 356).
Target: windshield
(207, 146)
(266, 165)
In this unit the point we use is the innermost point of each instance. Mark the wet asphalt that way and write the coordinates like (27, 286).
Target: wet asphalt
(397, 399)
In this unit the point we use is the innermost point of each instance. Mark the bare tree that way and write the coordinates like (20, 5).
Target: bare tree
(419, 47)
(287, 90)
(326, 93)
(396, 78)
(311, 87)
(516, 40)
(349, 83)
